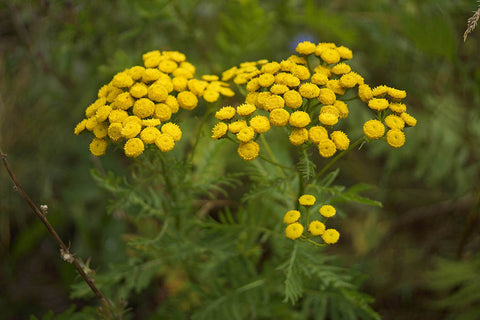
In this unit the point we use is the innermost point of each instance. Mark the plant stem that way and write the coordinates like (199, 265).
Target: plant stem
(64, 249)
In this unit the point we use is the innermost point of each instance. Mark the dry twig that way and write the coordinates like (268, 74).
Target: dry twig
(472, 23)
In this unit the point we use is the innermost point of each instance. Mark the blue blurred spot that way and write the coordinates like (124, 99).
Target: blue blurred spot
(300, 38)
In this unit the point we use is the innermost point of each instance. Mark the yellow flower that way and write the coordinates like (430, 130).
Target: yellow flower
(246, 109)
(271, 67)
(327, 211)
(330, 109)
(395, 138)
(291, 216)
(167, 66)
(316, 228)
(260, 124)
(188, 66)
(330, 56)
(227, 92)
(115, 131)
(279, 117)
(345, 53)
(80, 127)
(162, 112)
(172, 102)
(157, 92)
(335, 86)
(103, 112)
(139, 90)
(398, 107)
(326, 148)
(123, 101)
(349, 80)
(294, 231)
(143, 108)
(175, 56)
(152, 122)
(100, 130)
(103, 91)
(113, 93)
(409, 120)
(291, 80)
(165, 81)
(172, 130)
(328, 119)
(229, 74)
(341, 68)
(210, 77)
(98, 147)
(136, 72)
(219, 130)
(165, 142)
(133, 147)
(297, 60)
(246, 134)
(150, 75)
(131, 129)
(309, 90)
(91, 123)
(306, 48)
(331, 236)
(300, 72)
(397, 94)
(248, 150)
(317, 134)
(307, 200)
(187, 100)
(340, 139)
(261, 100)
(274, 102)
(122, 80)
(151, 54)
(278, 88)
(319, 78)
(298, 136)
(252, 98)
(323, 70)
(326, 96)
(197, 87)
(91, 110)
(364, 92)
(394, 122)
(253, 85)
(149, 135)
(236, 126)
(225, 113)
(293, 99)
(266, 79)
(342, 109)
(180, 83)
(211, 95)
(299, 119)
(378, 104)
(132, 119)
(373, 129)
(380, 91)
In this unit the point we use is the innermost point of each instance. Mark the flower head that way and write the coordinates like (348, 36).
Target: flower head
(307, 200)
(133, 147)
(248, 150)
(330, 236)
(164, 142)
(294, 230)
(395, 138)
(98, 147)
(316, 228)
(291, 216)
(219, 130)
(327, 211)
(373, 129)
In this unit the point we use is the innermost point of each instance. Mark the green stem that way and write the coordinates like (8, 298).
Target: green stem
(275, 163)
(272, 156)
(335, 159)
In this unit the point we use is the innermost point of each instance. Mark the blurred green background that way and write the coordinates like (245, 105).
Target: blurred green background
(420, 251)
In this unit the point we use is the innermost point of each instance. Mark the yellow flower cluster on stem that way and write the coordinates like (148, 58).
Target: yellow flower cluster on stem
(137, 107)
(304, 229)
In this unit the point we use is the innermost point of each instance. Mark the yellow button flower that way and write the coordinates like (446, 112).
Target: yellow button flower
(253, 85)
(335, 86)
(300, 72)
(91, 123)
(139, 90)
(172, 102)
(113, 93)
(236, 126)
(143, 108)
(151, 122)
(291, 216)
(150, 75)
(327, 96)
(274, 102)
(260, 124)
(309, 90)
(167, 66)
(317, 133)
(100, 130)
(380, 91)
(293, 99)
(262, 98)
(271, 67)
(187, 100)
(266, 79)
(291, 80)
(122, 80)
(365, 93)
(398, 107)
(345, 53)
(330, 109)
(328, 119)
(327, 211)
(248, 150)
(131, 119)
(131, 129)
(319, 78)
(98, 147)
(394, 122)
(396, 94)
(246, 109)
(409, 120)
(162, 112)
(373, 129)
(180, 83)
(136, 72)
(165, 142)
(340, 139)
(172, 130)
(210, 95)
(342, 109)
(378, 104)
(133, 147)
(157, 92)
(149, 135)
(246, 134)
(331, 236)
(279, 117)
(316, 228)
(278, 88)
(307, 200)
(330, 56)
(298, 136)
(395, 138)
(294, 231)
(219, 130)
(306, 48)
(123, 101)
(299, 119)
(326, 148)
(103, 112)
(80, 127)
(349, 80)
(341, 68)
(225, 113)
(115, 131)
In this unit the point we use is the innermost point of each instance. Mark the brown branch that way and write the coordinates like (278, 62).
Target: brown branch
(64, 250)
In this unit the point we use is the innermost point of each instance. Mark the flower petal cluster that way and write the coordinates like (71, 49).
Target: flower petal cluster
(138, 105)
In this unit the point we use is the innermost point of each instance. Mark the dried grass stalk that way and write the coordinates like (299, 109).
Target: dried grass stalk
(471, 23)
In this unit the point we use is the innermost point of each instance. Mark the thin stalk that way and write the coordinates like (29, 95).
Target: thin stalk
(272, 156)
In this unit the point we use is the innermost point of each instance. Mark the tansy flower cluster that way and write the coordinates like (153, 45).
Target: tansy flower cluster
(296, 225)
(136, 107)
(305, 94)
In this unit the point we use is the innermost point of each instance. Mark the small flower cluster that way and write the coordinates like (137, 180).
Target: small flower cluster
(304, 94)
(137, 105)
(295, 229)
